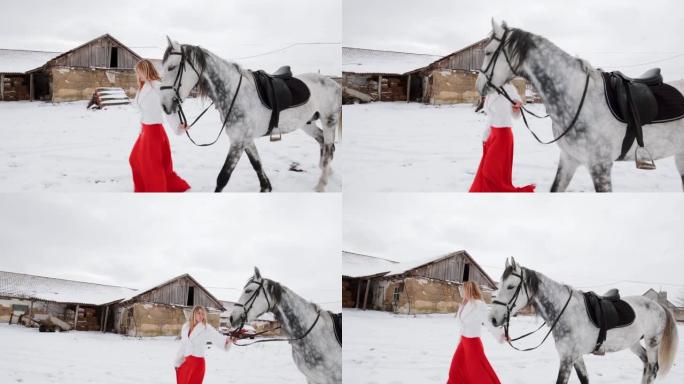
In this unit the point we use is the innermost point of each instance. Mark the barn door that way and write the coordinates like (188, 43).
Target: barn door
(466, 272)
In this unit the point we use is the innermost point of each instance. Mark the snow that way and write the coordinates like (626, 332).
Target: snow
(358, 60)
(20, 61)
(58, 290)
(64, 147)
(412, 147)
(356, 265)
(381, 347)
(105, 358)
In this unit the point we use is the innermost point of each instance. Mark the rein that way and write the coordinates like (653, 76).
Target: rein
(499, 89)
(176, 90)
(511, 304)
(247, 306)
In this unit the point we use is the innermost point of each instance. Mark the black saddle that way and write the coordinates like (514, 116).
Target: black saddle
(279, 91)
(607, 312)
(639, 101)
(337, 321)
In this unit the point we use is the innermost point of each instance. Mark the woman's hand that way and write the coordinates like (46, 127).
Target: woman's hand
(184, 126)
(516, 108)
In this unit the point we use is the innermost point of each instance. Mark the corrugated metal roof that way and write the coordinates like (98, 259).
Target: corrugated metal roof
(25, 286)
(21, 61)
(358, 265)
(359, 60)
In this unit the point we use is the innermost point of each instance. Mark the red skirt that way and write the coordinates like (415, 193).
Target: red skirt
(191, 371)
(469, 364)
(495, 173)
(151, 162)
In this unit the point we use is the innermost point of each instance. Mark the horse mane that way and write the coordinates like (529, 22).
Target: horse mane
(520, 43)
(531, 278)
(196, 56)
(276, 290)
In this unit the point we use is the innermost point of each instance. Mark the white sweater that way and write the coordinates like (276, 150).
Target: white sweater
(472, 316)
(196, 343)
(148, 101)
(498, 109)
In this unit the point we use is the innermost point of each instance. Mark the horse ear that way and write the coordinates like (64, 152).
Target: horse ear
(497, 29)
(172, 44)
(256, 273)
(513, 263)
(508, 264)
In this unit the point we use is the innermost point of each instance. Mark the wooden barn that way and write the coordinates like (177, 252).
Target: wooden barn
(160, 310)
(379, 75)
(661, 297)
(68, 76)
(428, 286)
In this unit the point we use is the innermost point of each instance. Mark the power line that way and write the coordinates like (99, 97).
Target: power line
(646, 63)
(285, 48)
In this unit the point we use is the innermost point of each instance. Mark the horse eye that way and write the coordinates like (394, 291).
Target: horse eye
(249, 291)
(488, 54)
(510, 287)
(171, 68)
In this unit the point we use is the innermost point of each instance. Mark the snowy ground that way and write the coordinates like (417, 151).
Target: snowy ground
(64, 147)
(422, 148)
(30, 357)
(390, 349)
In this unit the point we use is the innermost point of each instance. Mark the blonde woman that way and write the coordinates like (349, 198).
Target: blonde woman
(195, 334)
(151, 155)
(469, 364)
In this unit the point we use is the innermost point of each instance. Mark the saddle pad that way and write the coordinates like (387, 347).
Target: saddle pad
(616, 313)
(670, 101)
(337, 321)
(279, 94)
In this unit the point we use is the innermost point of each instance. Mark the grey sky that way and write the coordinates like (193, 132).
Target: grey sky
(140, 241)
(610, 33)
(584, 240)
(232, 29)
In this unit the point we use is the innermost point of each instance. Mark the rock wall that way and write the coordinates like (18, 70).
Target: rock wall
(145, 319)
(71, 84)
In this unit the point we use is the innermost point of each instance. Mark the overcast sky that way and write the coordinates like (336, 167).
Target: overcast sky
(624, 34)
(141, 241)
(585, 240)
(232, 29)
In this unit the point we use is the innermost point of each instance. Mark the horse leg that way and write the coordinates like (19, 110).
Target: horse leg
(253, 155)
(566, 170)
(581, 370)
(600, 175)
(651, 366)
(679, 162)
(327, 149)
(564, 371)
(234, 154)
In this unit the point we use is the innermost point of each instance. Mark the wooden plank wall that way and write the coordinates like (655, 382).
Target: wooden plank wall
(451, 269)
(96, 54)
(176, 293)
(470, 59)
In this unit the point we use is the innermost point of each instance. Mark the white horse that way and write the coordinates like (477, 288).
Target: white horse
(595, 139)
(244, 116)
(310, 329)
(575, 335)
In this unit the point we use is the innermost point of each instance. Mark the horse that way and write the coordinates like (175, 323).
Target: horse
(310, 329)
(575, 335)
(233, 90)
(573, 94)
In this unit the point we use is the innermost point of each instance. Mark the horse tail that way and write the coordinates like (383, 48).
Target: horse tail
(668, 343)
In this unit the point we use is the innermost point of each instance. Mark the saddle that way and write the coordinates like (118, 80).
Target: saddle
(337, 322)
(279, 91)
(607, 312)
(639, 101)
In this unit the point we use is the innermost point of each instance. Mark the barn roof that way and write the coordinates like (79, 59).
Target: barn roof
(25, 286)
(357, 265)
(16, 61)
(359, 60)
(105, 36)
(137, 293)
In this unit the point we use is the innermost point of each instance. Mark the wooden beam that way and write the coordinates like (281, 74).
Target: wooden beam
(104, 323)
(408, 89)
(76, 316)
(358, 295)
(2, 87)
(31, 92)
(379, 87)
(365, 296)
(31, 311)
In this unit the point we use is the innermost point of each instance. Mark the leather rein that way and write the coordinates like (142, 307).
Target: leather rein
(501, 91)
(177, 82)
(511, 304)
(247, 306)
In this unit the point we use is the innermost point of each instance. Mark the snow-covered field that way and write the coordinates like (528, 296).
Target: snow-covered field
(64, 147)
(385, 348)
(30, 357)
(413, 147)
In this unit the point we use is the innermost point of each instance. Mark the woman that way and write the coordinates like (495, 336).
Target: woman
(195, 334)
(496, 166)
(469, 364)
(151, 155)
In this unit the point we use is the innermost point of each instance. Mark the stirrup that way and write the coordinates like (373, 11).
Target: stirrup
(644, 163)
(276, 136)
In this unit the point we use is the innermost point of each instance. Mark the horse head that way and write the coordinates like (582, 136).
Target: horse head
(182, 68)
(259, 296)
(513, 294)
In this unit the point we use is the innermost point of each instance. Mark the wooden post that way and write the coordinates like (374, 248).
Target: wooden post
(358, 295)
(2, 87)
(408, 89)
(103, 328)
(365, 296)
(31, 87)
(31, 311)
(76, 316)
(379, 87)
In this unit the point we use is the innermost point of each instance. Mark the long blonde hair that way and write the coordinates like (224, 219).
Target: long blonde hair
(146, 68)
(196, 309)
(471, 292)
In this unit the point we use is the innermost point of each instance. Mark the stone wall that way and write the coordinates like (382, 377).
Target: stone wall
(71, 84)
(144, 319)
(457, 86)
(39, 308)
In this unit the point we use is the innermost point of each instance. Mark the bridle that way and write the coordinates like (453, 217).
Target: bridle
(511, 304)
(501, 91)
(247, 306)
(178, 81)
